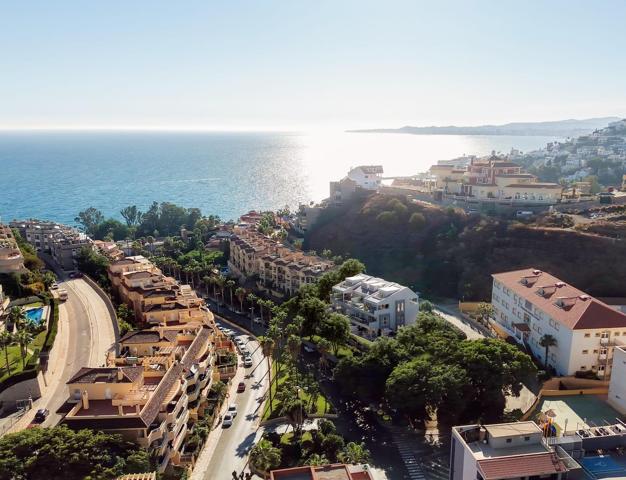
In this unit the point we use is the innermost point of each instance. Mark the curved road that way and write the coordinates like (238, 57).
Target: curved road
(234, 443)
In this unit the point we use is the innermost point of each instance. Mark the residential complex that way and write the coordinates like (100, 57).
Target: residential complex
(375, 306)
(63, 243)
(324, 472)
(278, 268)
(494, 179)
(363, 177)
(154, 297)
(529, 304)
(617, 387)
(11, 259)
(506, 451)
(152, 392)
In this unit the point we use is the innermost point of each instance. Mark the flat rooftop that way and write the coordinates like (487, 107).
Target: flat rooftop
(513, 429)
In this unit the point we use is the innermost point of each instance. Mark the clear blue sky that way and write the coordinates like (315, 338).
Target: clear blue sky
(300, 64)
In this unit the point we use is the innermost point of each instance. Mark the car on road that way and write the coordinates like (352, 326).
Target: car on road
(41, 415)
(76, 275)
(247, 362)
(241, 387)
(232, 410)
(62, 294)
(308, 349)
(245, 352)
(54, 286)
(239, 341)
(228, 420)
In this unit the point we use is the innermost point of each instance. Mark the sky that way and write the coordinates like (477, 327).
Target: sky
(303, 65)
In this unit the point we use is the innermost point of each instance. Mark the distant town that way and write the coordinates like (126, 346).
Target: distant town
(385, 332)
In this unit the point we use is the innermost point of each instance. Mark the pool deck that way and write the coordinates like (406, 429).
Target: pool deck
(44, 313)
(579, 411)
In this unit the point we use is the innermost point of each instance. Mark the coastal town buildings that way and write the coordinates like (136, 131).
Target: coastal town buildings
(494, 179)
(506, 451)
(363, 177)
(336, 471)
(61, 242)
(529, 304)
(11, 259)
(375, 306)
(152, 393)
(277, 267)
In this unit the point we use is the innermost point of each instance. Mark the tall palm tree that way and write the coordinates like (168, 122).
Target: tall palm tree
(220, 281)
(23, 338)
(323, 346)
(17, 317)
(6, 340)
(230, 284)
(240, 293)
(264, 456)
(547, 341)
(293, 344)
(267, 347)
(206, 280)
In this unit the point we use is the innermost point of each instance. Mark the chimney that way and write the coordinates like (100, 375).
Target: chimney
(85, 399)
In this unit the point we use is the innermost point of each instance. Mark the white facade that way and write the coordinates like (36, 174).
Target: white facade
(617, 387)
(586, 330)
(368, 177)
(375, 306)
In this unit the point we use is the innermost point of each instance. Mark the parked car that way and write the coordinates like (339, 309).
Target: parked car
(228, 420)
(54, 286)
(232, 410)
(41, 415)
(247, 362)
(239, 341)
(245, 352)
(241, 387)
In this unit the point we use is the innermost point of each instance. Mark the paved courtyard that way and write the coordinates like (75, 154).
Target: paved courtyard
(576, 411)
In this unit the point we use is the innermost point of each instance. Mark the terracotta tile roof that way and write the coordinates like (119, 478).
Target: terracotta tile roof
(148, 336)
(518, 466)
(580, 311)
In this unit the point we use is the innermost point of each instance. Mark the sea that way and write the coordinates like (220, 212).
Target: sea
(55, 174)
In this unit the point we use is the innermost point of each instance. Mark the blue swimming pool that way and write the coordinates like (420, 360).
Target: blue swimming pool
(602, 466)
(35, 315)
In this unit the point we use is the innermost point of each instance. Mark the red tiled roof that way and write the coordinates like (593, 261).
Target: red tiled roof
(520, 466)
(585, 312)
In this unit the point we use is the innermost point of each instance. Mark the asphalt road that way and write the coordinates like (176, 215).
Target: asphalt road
(235, 442)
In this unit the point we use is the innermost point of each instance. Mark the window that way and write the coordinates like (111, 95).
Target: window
(509, 440)
(585, 352)
(587, 335)
(526, 439)
(595, 350)
(597, 334)
(583, 367)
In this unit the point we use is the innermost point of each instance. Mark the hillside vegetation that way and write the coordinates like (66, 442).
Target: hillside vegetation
(446, 252)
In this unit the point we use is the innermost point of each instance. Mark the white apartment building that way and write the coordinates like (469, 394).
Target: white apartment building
(529, 304)
(375, 306)
(368, 177)
(506, 451)
(617, 386)
(11, 259)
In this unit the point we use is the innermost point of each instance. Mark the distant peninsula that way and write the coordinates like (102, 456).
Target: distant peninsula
(559, 128)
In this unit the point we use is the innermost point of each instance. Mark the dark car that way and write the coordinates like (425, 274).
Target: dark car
(41, 415)
(241, 387)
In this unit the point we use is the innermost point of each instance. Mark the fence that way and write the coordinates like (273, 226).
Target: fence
(109, 304)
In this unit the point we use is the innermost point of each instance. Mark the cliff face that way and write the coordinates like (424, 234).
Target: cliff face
(446, 252)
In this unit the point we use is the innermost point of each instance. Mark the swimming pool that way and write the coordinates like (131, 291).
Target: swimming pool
(35, 315)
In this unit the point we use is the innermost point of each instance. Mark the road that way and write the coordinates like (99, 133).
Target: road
(235, 442)
(84, 335)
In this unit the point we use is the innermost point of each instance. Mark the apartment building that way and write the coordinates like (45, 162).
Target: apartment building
(63, 243)
(155, 298)
(278, 268)
(109, 249)
(495, 179)
(507, 451)
(375, 306)
(529, 304)
(617, 386)
(152, 393)
(11, 259)
(4, 302)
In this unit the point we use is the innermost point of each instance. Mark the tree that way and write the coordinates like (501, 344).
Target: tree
(426, 306)
(23, 338)
(354, 453)
(323, 347)
(293, 344)
(230, 284)
(6, 340)
(547, 341)
(267, 347)
(313, 310)
(485, 312)
(336, 329)
(332, 444)
(93, 264)
(131, 215)
(240, 293)
(252, 298)
(90, 219)
(264, 456)
(417, 221)
(17, 317)
(62, 454)
(316, 460)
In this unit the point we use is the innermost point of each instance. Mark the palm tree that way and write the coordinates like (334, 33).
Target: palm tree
(230, 284)
(293, 344)
(354, 453)
(547, 341)
(323, 346)
(17, 317)
(264, 457)
(240, 293)
(6, 340)
(267, 347)
(252, 298)
(220, 281)
(206, 280)
(23, 339)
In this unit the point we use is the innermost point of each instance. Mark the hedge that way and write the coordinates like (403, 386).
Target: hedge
(52, 327)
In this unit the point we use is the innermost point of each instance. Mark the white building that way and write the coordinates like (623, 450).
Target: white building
(375, 306)
(505, 451)
(617, 387)
(368, 177)
(529, 304)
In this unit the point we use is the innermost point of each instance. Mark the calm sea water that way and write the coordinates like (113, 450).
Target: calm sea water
(54, 175)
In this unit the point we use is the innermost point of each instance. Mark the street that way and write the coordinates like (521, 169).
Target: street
(235, 442)
(84, 335)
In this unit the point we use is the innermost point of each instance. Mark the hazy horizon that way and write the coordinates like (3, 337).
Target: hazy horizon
(249, 66)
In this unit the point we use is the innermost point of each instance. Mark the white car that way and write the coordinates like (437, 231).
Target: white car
(232, 410)
(247, 362)
(245, 352)
(228, 420)
(239, 341)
